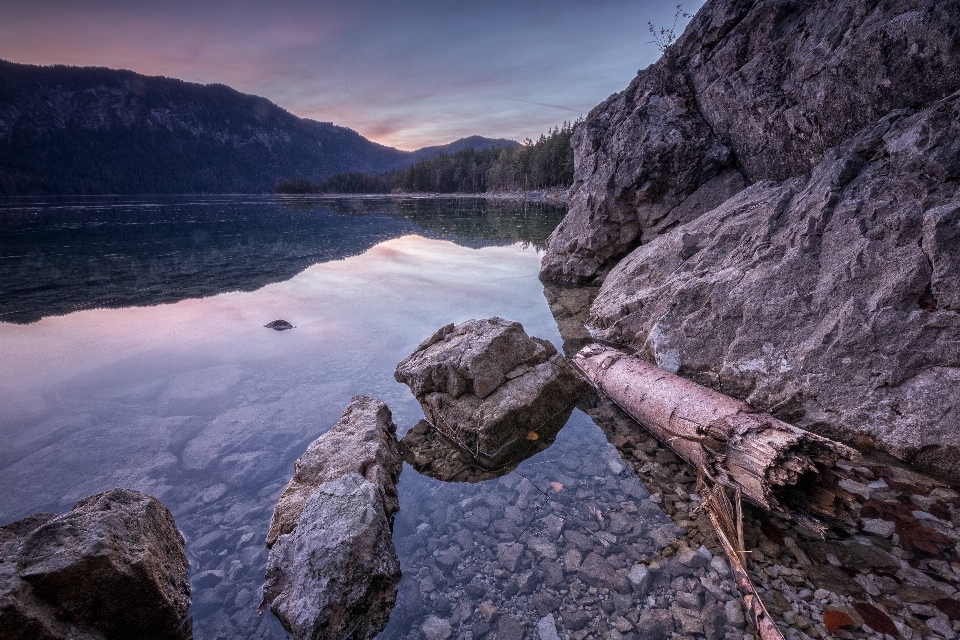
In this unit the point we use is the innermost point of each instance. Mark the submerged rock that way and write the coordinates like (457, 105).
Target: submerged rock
(332, 571)
(432, 454)
(279, 325)
(111, 567)
(488, 386)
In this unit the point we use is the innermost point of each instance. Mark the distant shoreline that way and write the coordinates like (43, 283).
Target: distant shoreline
(547, 196)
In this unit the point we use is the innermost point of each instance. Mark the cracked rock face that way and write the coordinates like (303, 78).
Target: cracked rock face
(753, 90)
(772, 209)
(829, 299)
(336, 574)
(333, 570)
(111, 567)
(488, 386)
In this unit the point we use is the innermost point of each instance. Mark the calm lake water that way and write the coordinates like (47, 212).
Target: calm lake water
(134, 354)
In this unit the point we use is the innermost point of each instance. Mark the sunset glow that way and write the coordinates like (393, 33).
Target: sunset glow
(403, 74)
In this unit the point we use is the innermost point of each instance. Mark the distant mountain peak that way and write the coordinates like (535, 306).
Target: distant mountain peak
(471, 142)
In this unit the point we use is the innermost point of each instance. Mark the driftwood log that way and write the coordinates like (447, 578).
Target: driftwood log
(774, 464)
(735, 448)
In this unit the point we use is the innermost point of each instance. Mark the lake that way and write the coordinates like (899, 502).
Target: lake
(133, 353)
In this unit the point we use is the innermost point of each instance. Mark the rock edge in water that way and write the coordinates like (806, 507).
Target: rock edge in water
(279, 325)
(112, 567)
(332, 568)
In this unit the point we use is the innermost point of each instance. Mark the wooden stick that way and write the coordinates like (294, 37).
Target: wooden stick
(739, 446)
(717, 505)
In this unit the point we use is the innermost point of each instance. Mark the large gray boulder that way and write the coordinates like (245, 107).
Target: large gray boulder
(772, 211)
(332, 571)
(113, 567)
(336, 575)
(364, 441)
(488, 386)
(831, 300)
(754, 90)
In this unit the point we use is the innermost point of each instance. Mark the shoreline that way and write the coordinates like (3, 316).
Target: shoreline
(546, 196)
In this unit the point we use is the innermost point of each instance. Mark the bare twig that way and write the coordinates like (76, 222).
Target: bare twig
(534, 517)
(572, 516)
(727, 523)
(664, 37)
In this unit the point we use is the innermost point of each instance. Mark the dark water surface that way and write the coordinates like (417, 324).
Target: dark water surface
(133, 354)
(59, 255)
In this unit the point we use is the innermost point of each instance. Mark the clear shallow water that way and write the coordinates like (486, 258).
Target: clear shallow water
(188, 397)
(518, 543)
(195, 402)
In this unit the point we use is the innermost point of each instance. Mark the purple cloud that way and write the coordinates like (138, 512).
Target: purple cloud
(407, 74)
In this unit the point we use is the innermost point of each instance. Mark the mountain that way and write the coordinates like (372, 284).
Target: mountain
(773, 210)
(92, 130)
(473, 142)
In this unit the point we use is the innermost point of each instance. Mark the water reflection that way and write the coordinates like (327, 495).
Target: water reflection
(430, 453)
(63, 255)
(199, 404)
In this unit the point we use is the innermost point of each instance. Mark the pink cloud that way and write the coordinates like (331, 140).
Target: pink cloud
(408, 75)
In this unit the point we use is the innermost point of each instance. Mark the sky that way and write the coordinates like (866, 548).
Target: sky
(405, 73)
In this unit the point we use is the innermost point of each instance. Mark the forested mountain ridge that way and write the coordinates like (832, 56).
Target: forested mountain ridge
(477, 143)
(93, 130)
(474, 168)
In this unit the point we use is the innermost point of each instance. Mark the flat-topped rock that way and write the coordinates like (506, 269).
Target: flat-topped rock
(111, 567)
(332, 571)
(487, 385)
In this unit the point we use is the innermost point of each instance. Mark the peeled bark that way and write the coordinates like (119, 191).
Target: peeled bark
(773, 464)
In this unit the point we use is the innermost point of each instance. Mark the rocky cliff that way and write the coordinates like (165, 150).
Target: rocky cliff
(773, 211)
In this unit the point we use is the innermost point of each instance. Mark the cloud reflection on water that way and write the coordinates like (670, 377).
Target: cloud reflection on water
(199, 404)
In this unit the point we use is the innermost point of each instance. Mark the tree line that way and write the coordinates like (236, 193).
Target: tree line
(548, 162)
